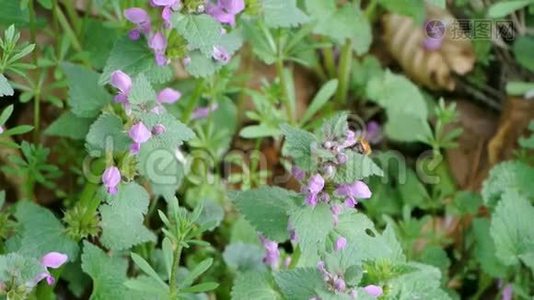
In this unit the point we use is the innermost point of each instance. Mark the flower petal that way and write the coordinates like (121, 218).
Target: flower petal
(54, 260)
(168, 95)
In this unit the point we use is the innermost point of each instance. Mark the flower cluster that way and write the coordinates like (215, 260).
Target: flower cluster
(336, 282)
(224, 11)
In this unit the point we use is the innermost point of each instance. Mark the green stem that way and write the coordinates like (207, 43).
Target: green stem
(329, 61)
(73, 15)
(345, 65)
(285, 97)
(68, 29)
(197, 93)
(173, 288)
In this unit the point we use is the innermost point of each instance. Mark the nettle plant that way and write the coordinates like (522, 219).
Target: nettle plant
(335, 251)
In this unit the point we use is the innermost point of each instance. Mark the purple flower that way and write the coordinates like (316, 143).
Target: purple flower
(342, 158)
(158, 129)
(111, 179)
(158, 43)
(315, 184)
(298, 173)
(168, 7)
(341, 243)
(272, 254)
(204, 112)
(139, 17)
(354, 191)
(169, 96)
(52, 260)
(139, 133)
(339, 284)
(123, 83)
(432, 44)
(220, 54)
(373, 132)
(373, 290)
(225, 11)
(507, 292)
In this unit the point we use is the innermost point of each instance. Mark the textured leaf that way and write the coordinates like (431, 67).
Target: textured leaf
(283, 13)
(267, 210)
(404, 104)
(85, 95)
(131, 57)
(312, 225)
(358, 167)
(485, 248)
(423, 283)
(70, 126)
(345, 23)
(108, 274)
(254, 285)
(300, 283)
(40, 233)
(142, 91)
(507, 176)
(523, 51)
(202, 66)
(122, 219)
(98, 40)
(12, 13)
(410, 8)
(202, 32)
(511, 227)
(298, 145)
(107, 131)
(5, 87)
(18, 269)
(320, 99)
(244, 257)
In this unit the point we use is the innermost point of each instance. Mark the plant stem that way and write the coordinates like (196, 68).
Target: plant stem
(37, 93)
(197, 93)
(329, 61)
(68, 29)
(345, 65)
(173, 288)
(283, 85)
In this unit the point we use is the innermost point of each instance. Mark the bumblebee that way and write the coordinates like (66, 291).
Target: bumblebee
(362, 146)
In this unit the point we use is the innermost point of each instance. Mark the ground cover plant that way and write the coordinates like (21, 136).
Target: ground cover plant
(266, 149)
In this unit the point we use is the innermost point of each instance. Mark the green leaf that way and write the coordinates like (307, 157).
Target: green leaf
(46, 3)
(122, 219)
(85, 95)
(146, 284)
(283, 13)
(201, 66)
(108, 273)
(198, 270)
(244, 257)
(258, 131)
(145, 267)
(21, 129)
(263, 47)
(410, 8)
(267, 209)
(511, 227)
(202, 32)
(107, 131)
(6, 113)
(40, 232)
(131, 57)
(404, 104)
(358, 167)
(98, 40)
(254, 285)
(70, 126)
(19, 270)
(301, 283)
(348, 22)
(522, 48)
(168, 253)
(320, 99)
(201, 287)
(502, 9)
(11, 13)
(5, 87)
(423, 283)
(142, 91)
(485, 248)
(298, 145)
(312, 225)
(510, 175)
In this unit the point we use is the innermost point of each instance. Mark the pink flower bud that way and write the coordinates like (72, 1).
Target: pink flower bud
(373, 290)
(168, 95)
(111, 179)
(139, 133)
(121, 81)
